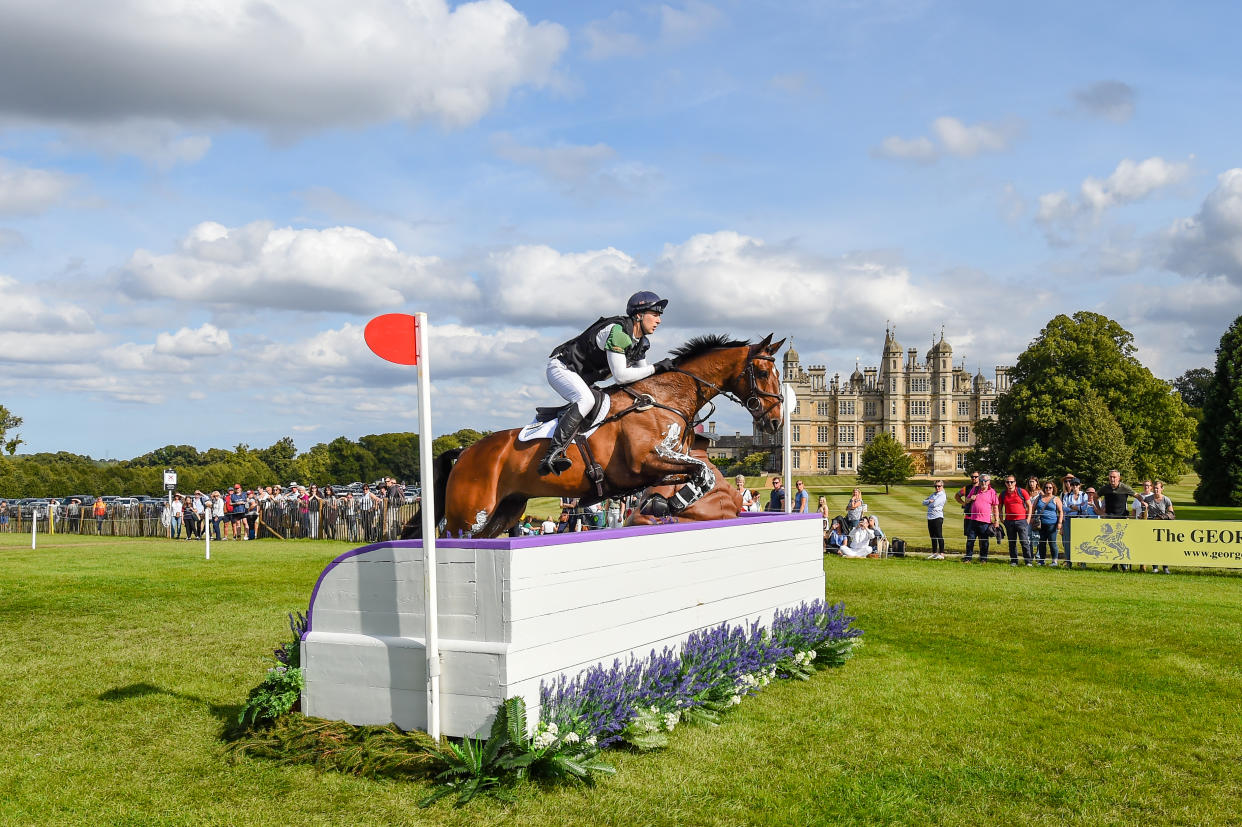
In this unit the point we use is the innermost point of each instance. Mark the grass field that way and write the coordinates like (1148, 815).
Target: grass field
(983, 695)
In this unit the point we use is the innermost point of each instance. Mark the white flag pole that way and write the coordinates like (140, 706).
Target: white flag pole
(431, 614)
(207, 532)
(34, 525)
(787, 406)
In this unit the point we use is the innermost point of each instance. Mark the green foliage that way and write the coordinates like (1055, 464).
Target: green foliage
(1220, 435)
(289, 653)
(509, 756)
(647, 730)
(1194, 385)
(884, 462)
(279, 691)
(366, 751)
(751, 465)
(7, 423)
(1079, 367)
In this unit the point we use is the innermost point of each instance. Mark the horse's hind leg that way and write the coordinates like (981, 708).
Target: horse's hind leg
(505, 517)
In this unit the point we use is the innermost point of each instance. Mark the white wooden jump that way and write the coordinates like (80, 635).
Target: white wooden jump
(514, 612)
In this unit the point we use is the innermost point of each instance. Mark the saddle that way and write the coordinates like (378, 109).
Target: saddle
(552, 412)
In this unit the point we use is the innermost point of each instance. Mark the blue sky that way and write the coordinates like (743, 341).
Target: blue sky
(202, 204)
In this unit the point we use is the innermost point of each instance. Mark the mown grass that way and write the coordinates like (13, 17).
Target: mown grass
(983, 695)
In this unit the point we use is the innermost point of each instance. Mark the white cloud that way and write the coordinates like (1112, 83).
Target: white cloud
(29, 191)
(1062, 215)
(207, 340)
(610, 37)
(339, 269)
(27, 308)
(568, 164)
(951, 137)
(1132, 181)
(288, 67)
(540, 286)
(1210, 242)
(692, 20)
(614, 35)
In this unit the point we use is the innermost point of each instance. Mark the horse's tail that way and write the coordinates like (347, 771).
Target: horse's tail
(440, 470)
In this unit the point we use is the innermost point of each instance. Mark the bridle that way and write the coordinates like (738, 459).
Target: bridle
(754, 394)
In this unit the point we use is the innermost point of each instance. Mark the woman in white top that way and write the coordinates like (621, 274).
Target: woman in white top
(859, 542)
(935, 520)
(740, 482)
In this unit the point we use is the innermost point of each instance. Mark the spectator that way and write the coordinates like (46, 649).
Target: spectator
(4, 515)
(1051, 517)
(217, 513)
(100, 510)
(237, 512)
(801, 499)
(747, 496)
(854, 510)
(776, 499)
(1073, 502)
(189, 517)
(822, 508)
(614, 513)
(200, 507)
(961, 495)
(548, 527)
(935, 519)
(1138, 508)
(1111, 503)
(303, 504)
(178, 511)
(252, 515)
(1160, 507)
(755, 500)
(74, 510)
(858, 542)
(984, 518)
(835, 537)
(330, 513)
(314, 505)
(366, 514)
(396, 499)
(349, 510)
(1015, 507)
(879, 543)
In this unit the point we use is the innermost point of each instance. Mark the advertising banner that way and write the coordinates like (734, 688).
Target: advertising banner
(1209, 543)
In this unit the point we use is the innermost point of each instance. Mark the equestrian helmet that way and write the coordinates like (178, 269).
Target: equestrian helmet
(645, 301)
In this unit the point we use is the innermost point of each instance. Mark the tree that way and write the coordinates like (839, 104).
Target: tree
(751, 465)
(884, 462)
(1078, 367)
(7, 423)
(1193, 385)
(1220, 435)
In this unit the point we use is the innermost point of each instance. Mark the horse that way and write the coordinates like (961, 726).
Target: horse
(482, 490)
(723, 502)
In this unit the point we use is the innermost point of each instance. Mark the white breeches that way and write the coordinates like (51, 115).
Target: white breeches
(570, 386)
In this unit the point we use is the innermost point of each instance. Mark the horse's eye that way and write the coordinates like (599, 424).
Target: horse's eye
(761, 373)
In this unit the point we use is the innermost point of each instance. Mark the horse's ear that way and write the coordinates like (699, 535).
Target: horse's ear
(762, 347)
(776, 346)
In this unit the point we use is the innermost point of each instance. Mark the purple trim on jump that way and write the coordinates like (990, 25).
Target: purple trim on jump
(540, 540)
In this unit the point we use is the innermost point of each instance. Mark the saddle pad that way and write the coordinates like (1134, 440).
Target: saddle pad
(544, 430)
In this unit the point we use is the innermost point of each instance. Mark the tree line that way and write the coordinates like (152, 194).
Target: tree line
(340, 461)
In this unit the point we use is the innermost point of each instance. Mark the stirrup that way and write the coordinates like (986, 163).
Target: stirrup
(555, 464)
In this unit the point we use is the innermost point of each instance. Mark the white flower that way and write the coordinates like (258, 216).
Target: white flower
(571, 738)
(544, 739)
(671, 719)
(552, 728)
(591, 741)
(735, 700)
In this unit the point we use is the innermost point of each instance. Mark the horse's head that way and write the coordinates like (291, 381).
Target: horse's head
(759, 386)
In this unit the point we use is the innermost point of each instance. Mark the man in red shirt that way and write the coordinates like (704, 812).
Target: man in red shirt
(1015, 505)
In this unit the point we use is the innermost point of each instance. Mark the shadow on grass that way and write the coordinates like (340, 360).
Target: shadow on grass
(225, 713)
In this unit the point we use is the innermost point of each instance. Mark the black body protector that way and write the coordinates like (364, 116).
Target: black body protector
(584, 356)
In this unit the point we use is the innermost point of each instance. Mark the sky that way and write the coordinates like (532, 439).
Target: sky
(202, 204)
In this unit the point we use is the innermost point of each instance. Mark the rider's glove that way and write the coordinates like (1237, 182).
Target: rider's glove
(664, 366)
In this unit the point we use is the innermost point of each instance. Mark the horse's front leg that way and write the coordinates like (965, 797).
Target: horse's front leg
(670, 459)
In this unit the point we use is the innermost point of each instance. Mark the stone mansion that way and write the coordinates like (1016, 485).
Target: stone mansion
(929, 406)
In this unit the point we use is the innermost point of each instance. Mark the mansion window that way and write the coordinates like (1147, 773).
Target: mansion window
(892, 385)
(918, 434)
(894, 407)
(963, 409)
(918, 386)
(845, 407)
(821, 408)
(821, 460)
(796, 460)
(987, 407)
(961, 462)
(846, 460)
(963, 435)
(942, 433)
(821, 433)
(868, 434)
(869, 408)
(795, 433)
(918, 407)
(845, 434)
(944, 406)
(798, 406)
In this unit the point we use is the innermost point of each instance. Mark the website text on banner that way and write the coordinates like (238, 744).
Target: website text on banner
(1158, 542)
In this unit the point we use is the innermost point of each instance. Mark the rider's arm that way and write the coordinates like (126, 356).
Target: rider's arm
(625, 374)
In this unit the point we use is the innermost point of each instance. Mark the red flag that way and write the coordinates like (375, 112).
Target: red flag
(393, 337)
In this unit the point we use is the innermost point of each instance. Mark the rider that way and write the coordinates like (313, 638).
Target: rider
(614, 346)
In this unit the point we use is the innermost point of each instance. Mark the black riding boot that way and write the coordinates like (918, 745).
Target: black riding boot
(555, 461)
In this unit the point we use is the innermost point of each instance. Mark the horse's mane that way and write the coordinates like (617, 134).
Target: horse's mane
(702, 344)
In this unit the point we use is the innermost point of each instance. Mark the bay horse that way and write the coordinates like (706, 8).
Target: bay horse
(483, 490)
(723, 502)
